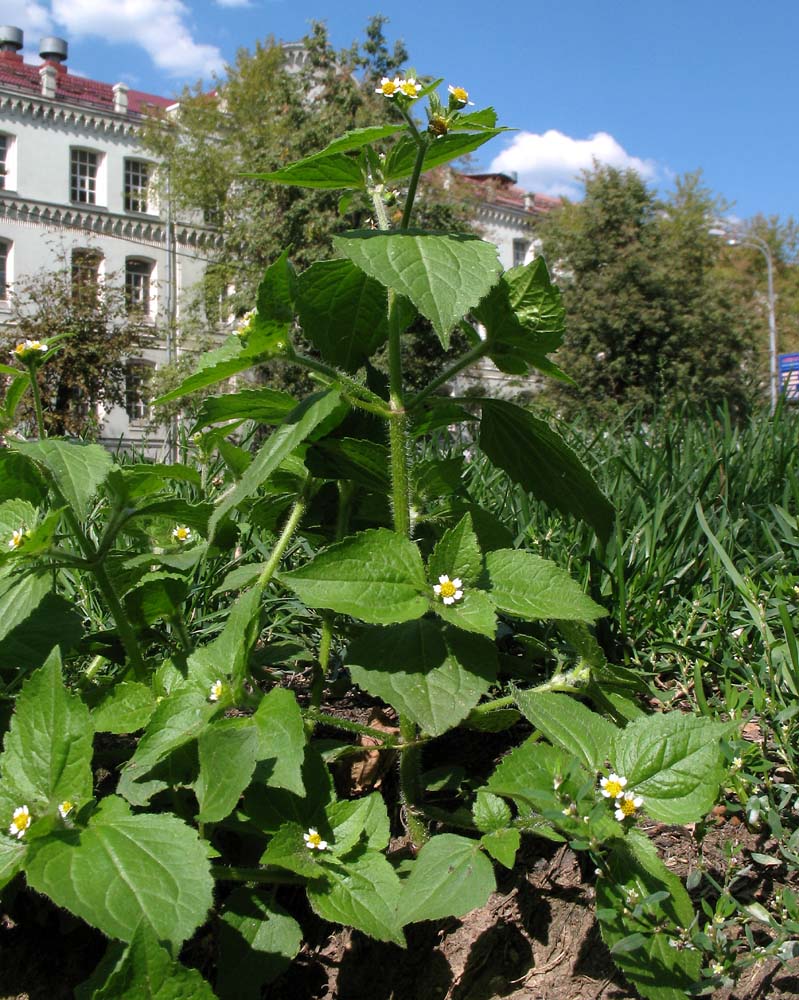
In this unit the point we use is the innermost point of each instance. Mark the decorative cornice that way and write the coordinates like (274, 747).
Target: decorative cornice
(61, 112)
(30, 212)
(504, 215)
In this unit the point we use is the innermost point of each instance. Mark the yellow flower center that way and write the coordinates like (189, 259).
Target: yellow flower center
(65, 807)
(408, 88)
(389, 88)
(614, 789)
(627, 806)
(448, 589)
(460, 94)
(21, 822)
(20, 349)
(314, 839)
(182, 534)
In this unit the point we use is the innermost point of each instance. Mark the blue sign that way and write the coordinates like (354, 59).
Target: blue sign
(789, 377)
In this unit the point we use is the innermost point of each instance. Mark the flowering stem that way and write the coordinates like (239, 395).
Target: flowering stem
(414, 182)
(37, 401)
(380, 209)
(361, 395)
(410, 769)
(263, 876)
(282, 543)
(347, 726)
(467, 359)
(320, 668)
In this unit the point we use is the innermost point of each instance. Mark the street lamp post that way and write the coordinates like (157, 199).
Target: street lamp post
(735, 239)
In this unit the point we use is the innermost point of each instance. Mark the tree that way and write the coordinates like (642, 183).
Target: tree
(88, 370)
(651, 319)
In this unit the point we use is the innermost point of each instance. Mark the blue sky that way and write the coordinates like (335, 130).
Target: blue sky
(665, 88)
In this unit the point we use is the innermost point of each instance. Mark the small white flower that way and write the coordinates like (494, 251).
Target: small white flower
(612, 786)
(313, 840)
(717, 969)
(65, 808)
(20, 822)
(181, 533)
(754, 816)
(461, 95)
(27, 349)
(216, 691)
(243, 323)
(17, 538)
(448, 590)
(570, 810)
(409, 87)
(737, 763)
(627, 806)
(388, 87)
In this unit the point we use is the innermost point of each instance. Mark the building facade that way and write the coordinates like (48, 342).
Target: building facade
(76, 186)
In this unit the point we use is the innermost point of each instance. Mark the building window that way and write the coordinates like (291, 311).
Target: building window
(137, 176)
(138, 274)
(4, 255)
(83, 176)
(137, 381)
(86, 276)
(5, 144)
(520, 248)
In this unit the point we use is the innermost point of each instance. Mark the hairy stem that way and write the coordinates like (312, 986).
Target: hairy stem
(421, 150)
(283, 541)
(37, 402)
(464, 361)
(361, 395)
(263, 876)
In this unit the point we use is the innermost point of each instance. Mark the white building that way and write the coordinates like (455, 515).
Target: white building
(72, 175)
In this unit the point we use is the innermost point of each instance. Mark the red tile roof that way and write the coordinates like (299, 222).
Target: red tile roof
(25, 77)
(500, 189)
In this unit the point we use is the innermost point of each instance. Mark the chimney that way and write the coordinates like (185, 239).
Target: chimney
(120, 98)
(48, 74)
(10, 43)
(54, 52)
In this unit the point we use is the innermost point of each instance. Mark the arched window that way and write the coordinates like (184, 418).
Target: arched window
(86, 276)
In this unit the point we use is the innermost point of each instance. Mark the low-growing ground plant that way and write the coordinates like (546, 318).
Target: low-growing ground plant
(151, 614)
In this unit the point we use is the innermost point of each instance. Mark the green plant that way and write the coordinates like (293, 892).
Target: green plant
(347, 540)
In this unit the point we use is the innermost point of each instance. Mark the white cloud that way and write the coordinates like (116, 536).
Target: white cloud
(33, 18)
(551, 163)
(233, 3)
(160, 27)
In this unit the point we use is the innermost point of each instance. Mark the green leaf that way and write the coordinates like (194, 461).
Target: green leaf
(532, 588)
(227, 751)
(361, 894)
(54, 621)
(353, 820)
(297, 426)
(257, 941)
(457, 553)
(475, 612)
(433, 673)
(123, 870)
(269, 808)
(502, 845)
(275, 308)
(265, 406)
(125, 708)
(156, 596)
(20, 596)
(288, 849)
(281, 735)
(20, 478)
(146, 971)
(490, 812)
(343, 312)
(443, 275)
(178, 719)
(450, 877)
(541, 462)
(375, 575)
(357, 138)
(323, 171)
(212, 367)
(528, 774)
(657, 970)
(400, 161)
(48, 748)
(366, 463)
(568, 723)
(675, 762)
(523, 317)
(76, 470)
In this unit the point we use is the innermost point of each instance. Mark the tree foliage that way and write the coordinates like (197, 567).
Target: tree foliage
(88, 370)
(651, 318)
